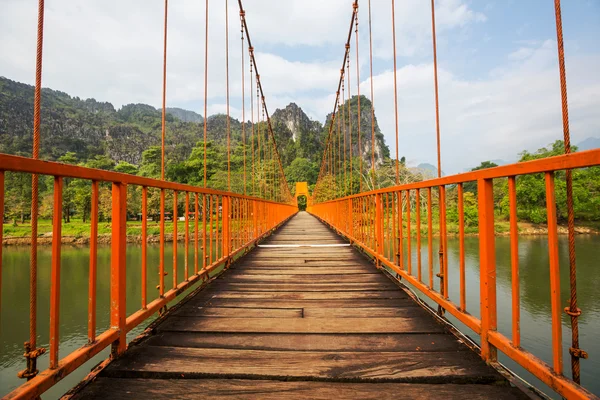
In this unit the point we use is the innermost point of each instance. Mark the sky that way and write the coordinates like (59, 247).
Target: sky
(497, 64)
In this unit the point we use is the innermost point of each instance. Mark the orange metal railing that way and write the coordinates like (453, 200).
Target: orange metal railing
(232, 222)
(379, 222)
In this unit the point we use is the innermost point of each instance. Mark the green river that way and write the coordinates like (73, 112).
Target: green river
(534, 281)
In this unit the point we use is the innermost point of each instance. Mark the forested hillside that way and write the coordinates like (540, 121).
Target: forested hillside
(95, 134)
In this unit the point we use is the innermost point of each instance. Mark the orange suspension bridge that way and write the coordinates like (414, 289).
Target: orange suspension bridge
(303, 305)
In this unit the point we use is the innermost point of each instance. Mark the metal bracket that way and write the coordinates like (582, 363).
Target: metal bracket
(31, 356)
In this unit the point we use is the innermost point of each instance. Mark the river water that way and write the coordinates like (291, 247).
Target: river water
(534, 281)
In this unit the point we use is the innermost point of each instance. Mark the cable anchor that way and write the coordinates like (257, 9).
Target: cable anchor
(31, 356)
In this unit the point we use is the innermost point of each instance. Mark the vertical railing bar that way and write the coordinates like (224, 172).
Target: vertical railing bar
(388, 215)
(55, 271)
(93, 264)
(175, 218)
(408, 238)
(514, 262)
(487, 259)
(204, 216)
(118, 266)
(187, 236)
(430, 237)
(219, 228)
(443, 240)
(210, 237)
(1, 228)
(161, 265)
(393, 236)
(196, 226)
(554, 274)
(461, 247)
(418, 227)
(144, 246)
(400, 232)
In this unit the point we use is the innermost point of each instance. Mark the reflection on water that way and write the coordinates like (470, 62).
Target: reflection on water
(534, 280)
(14, 318)
(534, 290)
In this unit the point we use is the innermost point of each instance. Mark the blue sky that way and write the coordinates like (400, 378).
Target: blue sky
(499, 88)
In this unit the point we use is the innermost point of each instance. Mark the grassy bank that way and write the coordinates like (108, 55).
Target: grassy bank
(78, 231)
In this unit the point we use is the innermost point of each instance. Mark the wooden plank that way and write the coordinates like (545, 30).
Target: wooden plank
(319, 268)
(267, 276)
(302, 325)
(306, 271)
(386, 342)
(364, 312)
(304, 287)
(424, 367)
(235, 312)
(260, 303)
(351, 295)
(306, 314)
(133, 389)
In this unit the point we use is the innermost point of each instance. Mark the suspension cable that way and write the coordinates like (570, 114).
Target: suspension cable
(573, 311)
(343, 122)
(358, 115)
(259, 122)
(442, 196)
(260, 88)
(435, 76)
(340, 86)
(372, 100)
(31, 350)
(205, 93)
(351, 150)
(227, 96)
(164, 96)
(395, 91)
(242, 15)
(252, 117)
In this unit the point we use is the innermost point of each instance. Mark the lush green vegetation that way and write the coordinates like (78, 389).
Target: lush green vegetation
(93, 134)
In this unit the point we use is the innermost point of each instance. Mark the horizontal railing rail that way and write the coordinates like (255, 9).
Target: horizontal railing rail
(224, 225)
(379, 222)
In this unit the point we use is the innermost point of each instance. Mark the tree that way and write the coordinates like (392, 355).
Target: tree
(472, 186)
(301, 170)
(17, 196)
(68, 193)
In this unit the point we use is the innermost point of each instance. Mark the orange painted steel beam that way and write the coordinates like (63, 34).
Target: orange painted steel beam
(487, 262)
(28, 165)
(514, 262)
(144, 246)
(118, 260)
(581, 159)
(554, 274)
(491, 339)
(50, 377)
(461, 249)
(93, 264)
(559, 383)
(55, 271)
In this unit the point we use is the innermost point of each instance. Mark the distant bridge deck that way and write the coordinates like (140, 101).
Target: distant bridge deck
(300, 322)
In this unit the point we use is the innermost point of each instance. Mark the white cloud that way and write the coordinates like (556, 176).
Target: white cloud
(112, 50)
(491, 118)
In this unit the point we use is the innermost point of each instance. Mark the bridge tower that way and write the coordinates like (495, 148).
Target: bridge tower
(302, 190)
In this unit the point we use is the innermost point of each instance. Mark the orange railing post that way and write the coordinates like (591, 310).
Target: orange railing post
(554, 275)
(118, 266)
(55, 272)
(225, 225)
(487, 260)
(379, 224)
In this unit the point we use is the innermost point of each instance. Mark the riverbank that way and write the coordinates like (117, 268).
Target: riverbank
(78, 233)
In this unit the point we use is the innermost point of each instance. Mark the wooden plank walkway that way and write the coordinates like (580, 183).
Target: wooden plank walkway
(300, 322)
